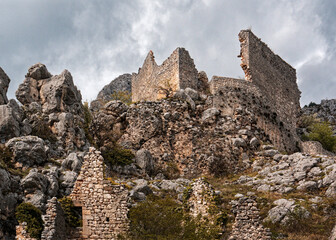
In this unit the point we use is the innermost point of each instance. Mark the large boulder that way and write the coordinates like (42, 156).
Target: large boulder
(121, 84)
(9, 197)
(4, 83)
(35, 186)
(11, 121)
(28, 150)
(55, 93)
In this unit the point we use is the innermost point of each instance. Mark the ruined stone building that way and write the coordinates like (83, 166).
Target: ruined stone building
(104, 206)
(269, 90)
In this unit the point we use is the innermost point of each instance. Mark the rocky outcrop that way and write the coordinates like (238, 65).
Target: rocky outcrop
(4, 83)
(54, 93)
(9, 197)
(188, 137)
(123, 83)
(11, 121)
(53, 108)
(28, 150)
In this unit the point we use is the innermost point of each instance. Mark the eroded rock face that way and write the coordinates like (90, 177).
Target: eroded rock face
(9, 197)
(11, 124)
(55, 93)
(52, 106)
(184, 135)
(4, 83)
(28, 150)
(123, 83)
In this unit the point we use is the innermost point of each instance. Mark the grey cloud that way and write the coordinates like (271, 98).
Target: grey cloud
(98, 40)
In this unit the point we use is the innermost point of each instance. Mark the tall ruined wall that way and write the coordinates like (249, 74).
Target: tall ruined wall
(104, 206)
(231, 94)
(176, 72)
(273, 76)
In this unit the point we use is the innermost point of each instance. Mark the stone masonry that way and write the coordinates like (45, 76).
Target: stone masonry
(104, 205)
(54, 221)
(177, 72)
(247, 223)
(273, 76)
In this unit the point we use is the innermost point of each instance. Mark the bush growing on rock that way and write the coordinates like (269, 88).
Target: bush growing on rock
(72, 216)
(26, 212)
(323, 133)
(163, 218)
(117, 155)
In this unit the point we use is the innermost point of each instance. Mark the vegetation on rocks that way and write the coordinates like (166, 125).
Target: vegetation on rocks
(26, 212)
(323, 133)
(42, 130)
(123, 96)
(117, 155)
(164, 218)
(87, 122)
(72, 216)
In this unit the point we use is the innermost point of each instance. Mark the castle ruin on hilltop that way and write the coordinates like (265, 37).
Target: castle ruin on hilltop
(269, 90)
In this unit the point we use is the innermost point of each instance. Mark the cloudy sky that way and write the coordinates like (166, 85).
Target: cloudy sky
(99, 40)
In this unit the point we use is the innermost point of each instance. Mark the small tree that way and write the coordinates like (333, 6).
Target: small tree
(166, 89)
(323, 133)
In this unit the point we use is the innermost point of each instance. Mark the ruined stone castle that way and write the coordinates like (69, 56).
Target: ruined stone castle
(269, 89)
(213, 128)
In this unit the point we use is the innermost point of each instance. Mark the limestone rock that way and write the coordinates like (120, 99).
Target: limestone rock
(210, 113)
(123, 83)
(73, 161)
(35, 187)
(144, 160)
(28, 150)
(38, 71)
(4, 83)
(55, 93)
(68, 179)
(11, 124)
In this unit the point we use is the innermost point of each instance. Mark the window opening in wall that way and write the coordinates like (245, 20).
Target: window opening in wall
(78, 212)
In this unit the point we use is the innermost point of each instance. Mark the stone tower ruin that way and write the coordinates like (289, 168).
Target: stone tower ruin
(176, 72)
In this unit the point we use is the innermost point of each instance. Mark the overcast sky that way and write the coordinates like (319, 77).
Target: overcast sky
(97, 40)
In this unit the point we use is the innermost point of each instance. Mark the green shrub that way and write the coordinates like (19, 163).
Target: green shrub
(163, 218)
(124, 96)
(172, 171)
(323, 133)
(72, 214)
(28, 213)
(117, 155)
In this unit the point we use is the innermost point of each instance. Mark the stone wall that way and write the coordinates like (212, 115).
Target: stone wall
(54, 222)
(104, 205)
(247, 223)
(231, 94)
(273, 76)
(176, 72)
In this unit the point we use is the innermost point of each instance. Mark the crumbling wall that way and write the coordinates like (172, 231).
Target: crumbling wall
(247, 223)
(54, 222)
(273, 76)
(176, 72)
(231, 94)
(104, 206)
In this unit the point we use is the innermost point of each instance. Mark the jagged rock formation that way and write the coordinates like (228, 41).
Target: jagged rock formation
(4, 83)
(194, 142)
(9, 197)
(325, 111)
(123, 83)
(52, 105)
